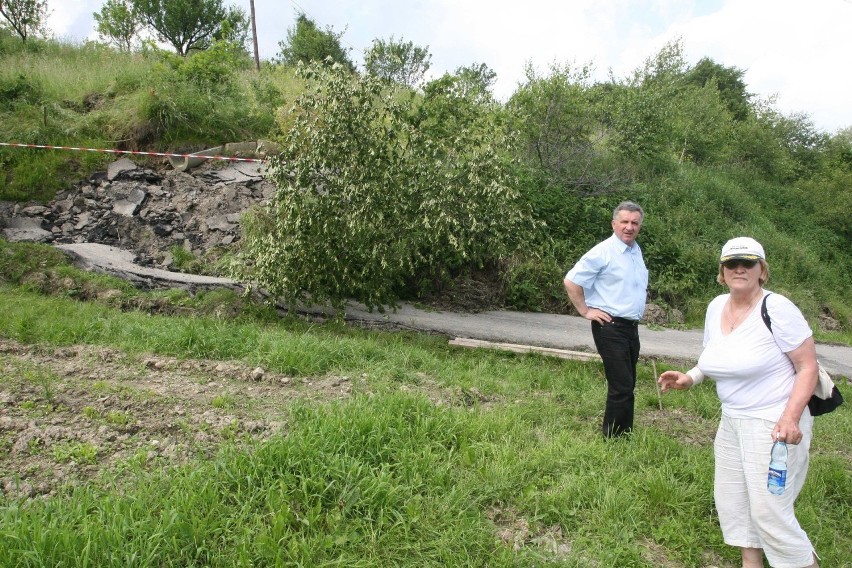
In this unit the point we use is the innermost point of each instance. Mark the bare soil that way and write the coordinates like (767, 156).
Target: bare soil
(69, 414)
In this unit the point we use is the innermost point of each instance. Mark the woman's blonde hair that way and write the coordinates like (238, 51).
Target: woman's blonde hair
(764, 273)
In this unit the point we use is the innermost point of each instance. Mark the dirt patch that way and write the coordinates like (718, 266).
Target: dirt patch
(69, 414)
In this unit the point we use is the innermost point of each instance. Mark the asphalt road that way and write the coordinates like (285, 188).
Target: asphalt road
(542, 330)
(564, 332)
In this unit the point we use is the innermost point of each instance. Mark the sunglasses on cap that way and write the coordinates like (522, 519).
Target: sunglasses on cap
(737, 262)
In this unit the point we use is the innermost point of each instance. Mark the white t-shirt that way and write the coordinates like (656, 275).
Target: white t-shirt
(754, 377)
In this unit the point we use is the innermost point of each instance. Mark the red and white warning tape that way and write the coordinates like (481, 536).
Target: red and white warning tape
(134, 152)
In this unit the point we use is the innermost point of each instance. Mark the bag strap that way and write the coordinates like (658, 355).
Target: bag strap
(816, 405)
(764, 313)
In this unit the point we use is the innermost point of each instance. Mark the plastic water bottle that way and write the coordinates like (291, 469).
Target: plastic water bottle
(777, 468)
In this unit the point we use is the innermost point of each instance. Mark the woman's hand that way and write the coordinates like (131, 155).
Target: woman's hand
(787, 430)
(674, 380)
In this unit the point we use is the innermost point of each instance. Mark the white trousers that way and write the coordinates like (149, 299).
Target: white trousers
(749, 515)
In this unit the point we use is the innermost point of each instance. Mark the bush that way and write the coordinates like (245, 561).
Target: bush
(19, 90)
(373, 199)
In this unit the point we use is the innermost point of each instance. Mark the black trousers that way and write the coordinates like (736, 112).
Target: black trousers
(618, 345)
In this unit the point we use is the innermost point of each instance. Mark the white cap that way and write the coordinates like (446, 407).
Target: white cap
(742, 247)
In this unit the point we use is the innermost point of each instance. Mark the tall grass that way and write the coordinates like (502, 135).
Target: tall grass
(691, 214)
(510, 471)
(68, 71)
(64, 94)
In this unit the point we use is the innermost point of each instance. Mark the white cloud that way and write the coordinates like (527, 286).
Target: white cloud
(795, 50)
(72, 19)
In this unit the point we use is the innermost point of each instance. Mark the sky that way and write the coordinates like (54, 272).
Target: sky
(795, 52)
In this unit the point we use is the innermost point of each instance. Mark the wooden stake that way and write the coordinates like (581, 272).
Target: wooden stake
(656, 384)
(561, 353)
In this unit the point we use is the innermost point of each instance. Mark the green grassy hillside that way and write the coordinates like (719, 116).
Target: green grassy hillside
(702, 177)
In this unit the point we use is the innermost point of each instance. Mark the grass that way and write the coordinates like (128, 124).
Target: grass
(65, 94)
(511, 473)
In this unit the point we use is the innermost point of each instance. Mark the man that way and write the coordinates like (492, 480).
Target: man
(608, 287)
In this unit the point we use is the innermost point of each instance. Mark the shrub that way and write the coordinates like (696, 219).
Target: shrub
(19, 90)
(373, 199)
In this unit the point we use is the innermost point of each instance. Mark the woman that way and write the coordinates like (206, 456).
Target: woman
(764, 380)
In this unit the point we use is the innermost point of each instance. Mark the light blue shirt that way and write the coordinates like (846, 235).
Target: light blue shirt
(613, 277)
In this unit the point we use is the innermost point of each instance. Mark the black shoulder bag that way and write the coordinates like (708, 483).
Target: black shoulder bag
(826, 397)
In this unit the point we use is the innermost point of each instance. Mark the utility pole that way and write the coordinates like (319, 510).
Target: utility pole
(254, 35)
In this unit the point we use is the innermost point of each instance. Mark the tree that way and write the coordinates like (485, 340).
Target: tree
(827, 195)
(398, 61)
(371, 202)
(118, 23)
(701, 124)
(728, 81)
(667, 66)
(802, 140)
(235, 29)
(844, 136)
(26, 17)
(561, 134)
(642, 110)
(306, 43)
(476, 80)
(192, 24)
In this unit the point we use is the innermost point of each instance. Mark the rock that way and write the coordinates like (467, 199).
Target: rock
(219, 223)
(130, 204)
(118, 167)
(659, 315)
(267, 147)
(82, 220)
(22, 223)
(34, 210)
(27, 235)
(828, 323)
(654, 314)
(145, 212)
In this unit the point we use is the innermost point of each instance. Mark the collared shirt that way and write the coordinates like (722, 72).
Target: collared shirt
(613, 277)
